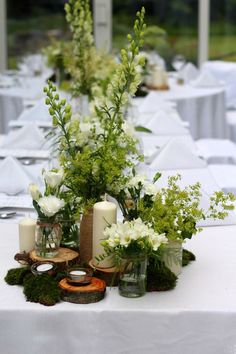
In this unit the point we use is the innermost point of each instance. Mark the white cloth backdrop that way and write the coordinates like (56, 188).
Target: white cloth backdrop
(198, 316)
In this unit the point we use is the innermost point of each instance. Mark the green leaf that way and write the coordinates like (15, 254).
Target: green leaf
(156, 177)
(139, 128)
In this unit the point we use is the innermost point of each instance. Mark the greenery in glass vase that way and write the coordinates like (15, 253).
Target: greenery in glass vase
(98, 156)
(171, 210)
(176, 211)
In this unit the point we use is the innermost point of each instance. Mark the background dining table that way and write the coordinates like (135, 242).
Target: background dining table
(204, 108)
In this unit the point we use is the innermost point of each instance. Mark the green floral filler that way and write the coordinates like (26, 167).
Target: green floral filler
(97, 156)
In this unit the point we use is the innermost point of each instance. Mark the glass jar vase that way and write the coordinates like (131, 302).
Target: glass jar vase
(47, 239)
(172, 256)
(132, 281)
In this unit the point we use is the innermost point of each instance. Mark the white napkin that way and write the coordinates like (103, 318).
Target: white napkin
(152, 102)
(206, 79)
(165, 124)
(13, 178)
(189, 72)
(29, 137)
(38, 113)
(176, 155)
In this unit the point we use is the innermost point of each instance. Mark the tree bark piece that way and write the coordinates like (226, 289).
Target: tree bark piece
(66, 257)
(86, 237)
(109, 275)
(86, 294)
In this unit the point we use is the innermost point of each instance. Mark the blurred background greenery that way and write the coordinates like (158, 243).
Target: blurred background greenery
(32, 24)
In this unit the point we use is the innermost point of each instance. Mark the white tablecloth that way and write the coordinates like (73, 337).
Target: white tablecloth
(198, 316)
(224, 71)
(203, 108)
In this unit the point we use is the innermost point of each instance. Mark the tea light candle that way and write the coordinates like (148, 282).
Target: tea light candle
(27, 234)
(44, 267)
(104, 214)
(77, 272)
(79, 275)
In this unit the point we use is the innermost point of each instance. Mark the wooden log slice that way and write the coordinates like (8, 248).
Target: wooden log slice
(158, 88)
(86, 294)
(109, 275)
(65, 257)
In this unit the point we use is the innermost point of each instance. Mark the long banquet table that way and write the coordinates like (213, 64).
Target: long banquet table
(198, 316)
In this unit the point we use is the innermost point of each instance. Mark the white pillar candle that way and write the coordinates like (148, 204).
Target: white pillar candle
(27, 234)
(104, 214)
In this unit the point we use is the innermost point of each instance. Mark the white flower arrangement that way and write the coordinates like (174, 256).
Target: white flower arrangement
(50, 204)
(132, 238)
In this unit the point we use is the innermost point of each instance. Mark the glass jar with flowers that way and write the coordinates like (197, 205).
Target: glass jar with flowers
(48, 207)
(130, 243)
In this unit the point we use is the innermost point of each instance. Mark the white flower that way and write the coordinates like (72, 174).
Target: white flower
(136, 180)
(34, 191)
(150, 189)
(53, 178)
(50, 205)
(157, 240)
(128, 129)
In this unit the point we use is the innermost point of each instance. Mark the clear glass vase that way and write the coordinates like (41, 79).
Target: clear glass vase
(70, 234)
(47, 239)
(132, 281)
(172, 256)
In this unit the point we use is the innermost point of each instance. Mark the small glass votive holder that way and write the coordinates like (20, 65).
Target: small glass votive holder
(79, 276)
(40, 268)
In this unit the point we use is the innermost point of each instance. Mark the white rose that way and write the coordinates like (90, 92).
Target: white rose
(50, 205)
(33, 190)
(53, 178)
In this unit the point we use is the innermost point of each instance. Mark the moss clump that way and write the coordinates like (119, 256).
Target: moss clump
(187, 257)
(15, 276)
(159, 277)
(43, 289)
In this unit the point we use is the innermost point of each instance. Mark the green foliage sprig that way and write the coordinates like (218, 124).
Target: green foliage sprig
(125, 79)
(81, 67)
(176, 211)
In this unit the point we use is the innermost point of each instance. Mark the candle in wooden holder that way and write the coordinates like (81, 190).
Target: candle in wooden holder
(104, 214)
(27, 234)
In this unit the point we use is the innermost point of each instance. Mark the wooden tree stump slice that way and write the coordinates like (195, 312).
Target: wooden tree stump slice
(109, 275)
(66, 257)
(86, 294)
